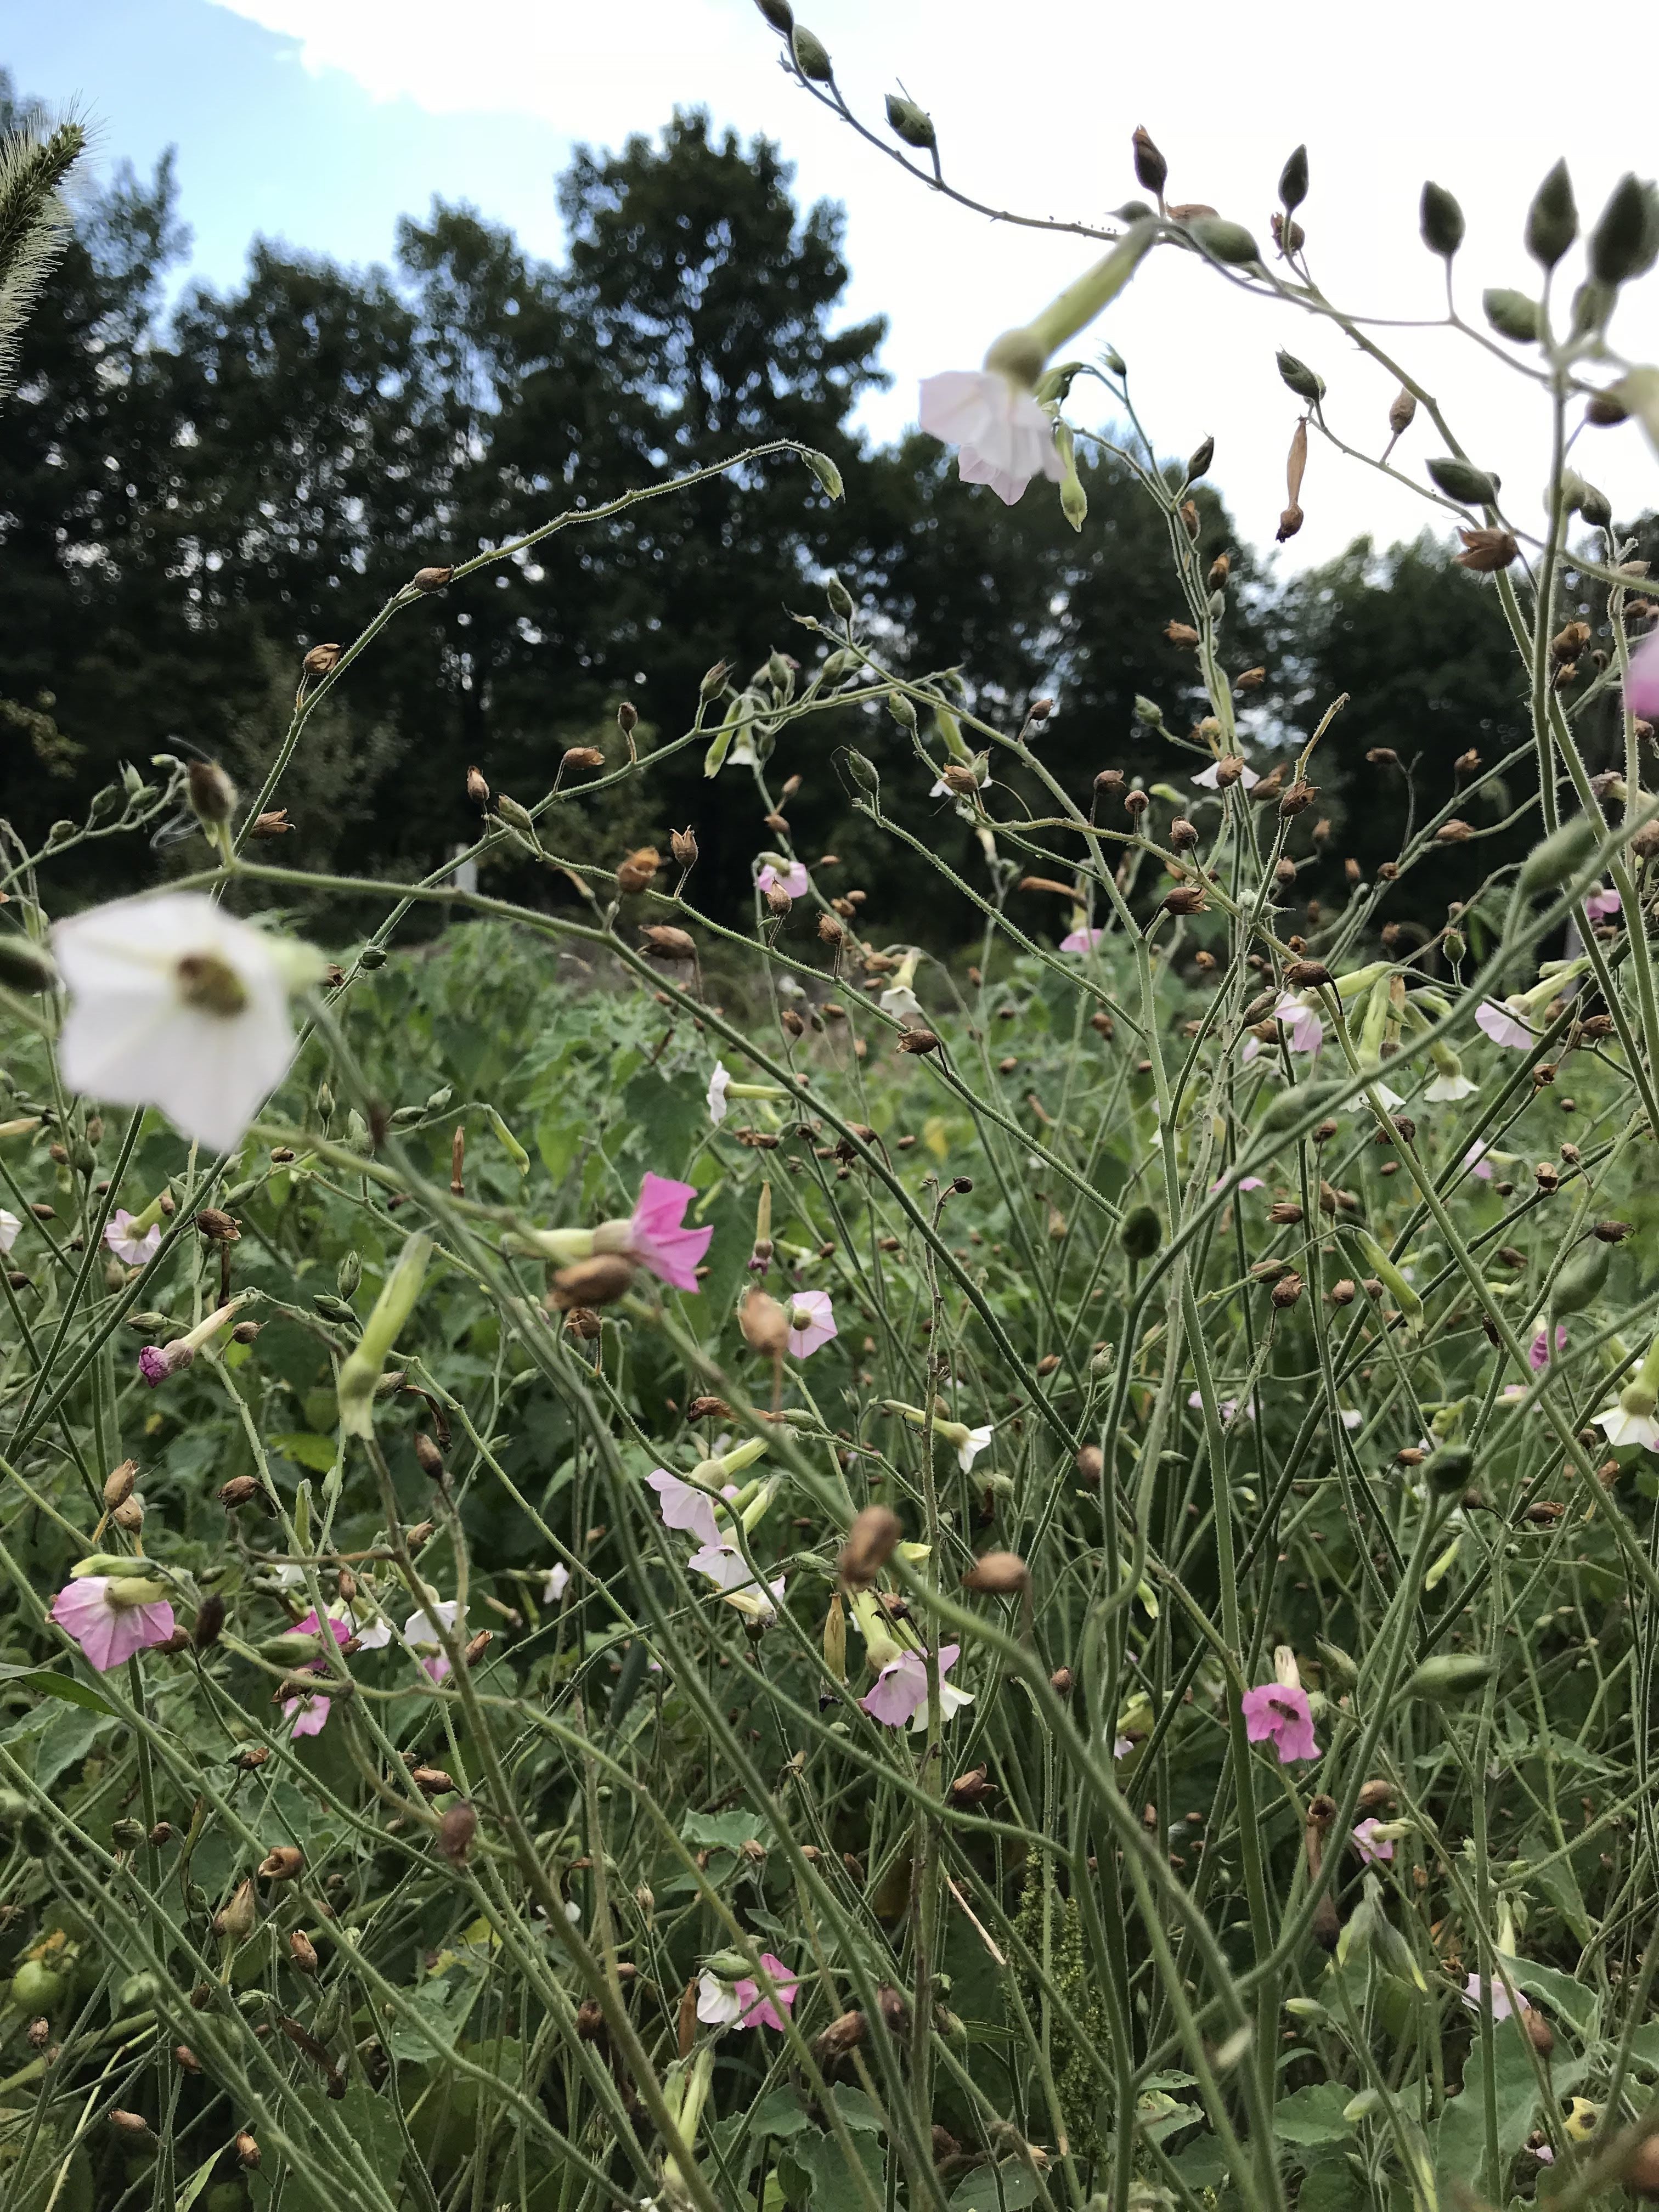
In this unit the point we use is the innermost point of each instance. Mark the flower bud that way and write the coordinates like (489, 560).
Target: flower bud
(1228, 243)
(1293, 181)
(1440, 221)
(812, 57)
(915, 127)
(211, 794)
(1512, 314)
(237, 1920)
(1303, 380)
(1461, 481)
(1552, 218)
(1151, 170)
(1197, 464)
(1454, 1675)
(1559, 857)
(1625, 241)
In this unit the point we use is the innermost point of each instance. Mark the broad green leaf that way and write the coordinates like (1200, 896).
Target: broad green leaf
(306, 1448)
(995, 2189)
(1313, 2115)
(50, 1684)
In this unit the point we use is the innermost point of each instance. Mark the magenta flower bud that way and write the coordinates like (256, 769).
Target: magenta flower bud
(153, 1366)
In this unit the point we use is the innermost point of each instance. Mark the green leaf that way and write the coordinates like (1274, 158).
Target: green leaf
(710, 1832)
(50, 1684)
(831, 2185)
(1574, 2000)
(992, 2188)
(306, 1448)
(1459, 2146)
(1644, 2047)
(781, 2114)
(1313, 2115)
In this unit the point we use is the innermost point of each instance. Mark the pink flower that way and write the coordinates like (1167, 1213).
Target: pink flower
(1642, 684)
(1503, 1026)
(793, 882)
(656, 1238)
(154, 1366)
(1122, 1745)
(900, 1692)
(1474, 1988)
(811, 1322)
(1539, 1357)
(1307, 1031)
(110, 1619)
(312, 1627)
(135, 1250)
(1005, 437)
(1279, 1715)
(685, 1506)
(1365, 1842)
(309, 1715)
(1476, 1161)
(1601, 905)
(755, 2010)
(419, 1635)
(1244, 1182)
(1081, 941)
(726, 1568)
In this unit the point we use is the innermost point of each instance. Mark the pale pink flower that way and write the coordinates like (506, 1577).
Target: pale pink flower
(685, 1506)
(1504, 1026)
(110, 1629)
(1005, 436)
(136, 1250)
(793, 882)
(309, 1714)
(1371, 1847)
(732, 1575)
(1210, 778)
(900, 1690)
(1307, 1031)
(1244, 1182)
(1122, 1745)
(1279, 1714)
(419, 1633)
(1538, 1356)
(1227, 1408)
(1478, 1164)
(755, 2010)
(1081, 941)
(811, 1322)
(1642, 684)
(657, 1240)
(1602, 906)
(1474, 1988)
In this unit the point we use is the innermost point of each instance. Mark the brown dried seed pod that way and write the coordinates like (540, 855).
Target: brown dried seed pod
(431, 579)
(764, 1324)
(321, 659)
(1286, 1291)
(283, 1862)
(456, 1831)
(1181, 633)
(919, 1040)
(663, 943)
(595, 1282)
(1306, 975)
(577, 758)
(118, 1483)
(638, 869)
(870, 1543)
(998, 1574)
(1486, 551)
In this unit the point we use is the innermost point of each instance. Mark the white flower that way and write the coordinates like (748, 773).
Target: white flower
(174, 1003)
(901, 1002)
(1623, 1427)
(373, 1634)
(726, 1568)
(1005, 436)
(718, 1083)
(419, 1635)
(126, 1244)
(1449, 1088)
(976, 1442)
(717, 2001)
(10, 1227)
(557, 1582)
(950, 1701)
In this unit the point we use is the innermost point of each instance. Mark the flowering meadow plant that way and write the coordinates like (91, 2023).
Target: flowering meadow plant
(786, 1568)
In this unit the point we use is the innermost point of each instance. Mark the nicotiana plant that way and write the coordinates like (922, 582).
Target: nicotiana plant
(1021, 1580)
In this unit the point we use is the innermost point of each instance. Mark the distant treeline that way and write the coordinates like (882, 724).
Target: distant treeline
(190, 499)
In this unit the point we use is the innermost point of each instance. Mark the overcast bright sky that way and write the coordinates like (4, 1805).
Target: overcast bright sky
(319, 121)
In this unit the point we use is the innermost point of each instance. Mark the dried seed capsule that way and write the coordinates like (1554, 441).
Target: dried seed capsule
(870, 1543)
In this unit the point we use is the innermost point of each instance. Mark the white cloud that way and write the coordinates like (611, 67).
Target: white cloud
(1035, 107)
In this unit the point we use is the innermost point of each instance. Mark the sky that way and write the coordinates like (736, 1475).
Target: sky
(317, 122)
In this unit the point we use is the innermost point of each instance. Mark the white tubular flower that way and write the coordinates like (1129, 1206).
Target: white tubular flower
(173, 1003)
(1005, 438)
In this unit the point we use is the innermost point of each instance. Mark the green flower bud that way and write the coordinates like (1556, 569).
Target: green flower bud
(1454, 1675)
(908, 122)
(812, 57)
(1198, 465)
(1140, 1232)
(1303, 380)
(1293, 181)
(1581, 1279)
(902, 710)
(1512, 314)
(1463, 482)
(1560, 858)
(854, 768)
(1552, 218)
(1450, 1470)
(391, 1310)
(1224, 241)
(778, 13)
(1441, 220)
(822, 466)
(1149, 711)
(839, 598)
(1625, 241)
